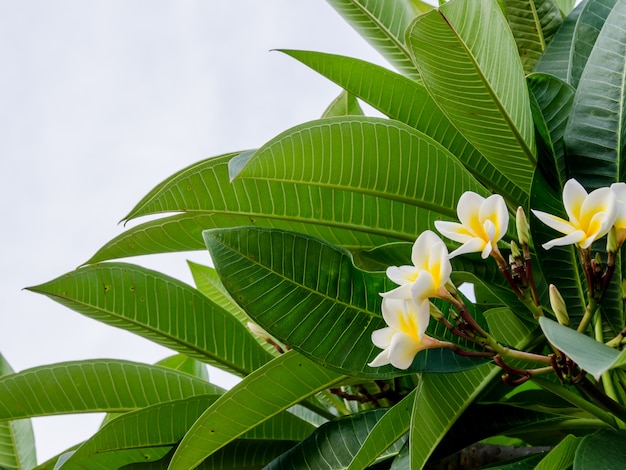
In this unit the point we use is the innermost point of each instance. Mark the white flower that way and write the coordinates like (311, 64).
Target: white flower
(591, 216)
(620, 221)
(427, 277)
(483, 223)
(404, 337)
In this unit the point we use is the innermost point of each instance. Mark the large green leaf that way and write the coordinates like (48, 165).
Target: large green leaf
(345, 104)
(93, 386)
(333, 444)
(557, 58)
(469, 63)
(309, 295)
(382, 24)
(164, 425)
(263, 394)
(405, 100)
(373, 156)
(389, 429)
(160, 308)
(603, 449)
(590, 21)
(562, 456)
(17, 441)
(597, 127)
(533, 23)
(204, 190)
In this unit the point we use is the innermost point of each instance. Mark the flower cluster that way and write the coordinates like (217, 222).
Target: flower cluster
(483, 222)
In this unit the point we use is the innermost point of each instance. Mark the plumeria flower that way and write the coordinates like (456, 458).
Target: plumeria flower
(591, 216)
(620, 221)
(404, 337)
(484, 221)
(427, 277)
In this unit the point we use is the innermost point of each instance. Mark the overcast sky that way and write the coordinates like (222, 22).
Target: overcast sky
(100, 101)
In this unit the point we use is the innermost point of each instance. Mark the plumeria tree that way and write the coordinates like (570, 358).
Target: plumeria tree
(344, 250)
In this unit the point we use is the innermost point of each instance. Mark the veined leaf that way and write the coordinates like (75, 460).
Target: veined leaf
(390, 428)
(533, 23)
(310, 296)
(597, 127)
(373, 156)
(204, 190)
(273, 388)
(382, 24)
(406, 100)
(345, 104)
(562, 456)
(186, 364)
(603, 449)
(164, 425)
(333, 444)
(93, 386)
(160, 308)
(17, 441)
(469, 63)
(593, 15)
(557, 58)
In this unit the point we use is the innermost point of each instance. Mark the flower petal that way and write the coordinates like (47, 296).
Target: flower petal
(402, 350)
(402, 274)
(468, 211)
(382, 338)
(402, 293)
(381, 360)
(454, 231)
(424, 287)
(574, 196)
(472, 246)
(574, 237)
(494, 210)
(557, 223)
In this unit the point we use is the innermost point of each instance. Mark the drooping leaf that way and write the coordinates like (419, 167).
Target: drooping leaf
(333, 444)
(310, 296)
(592, 356)
(533, 23)
(17, 441)
(469, 63)
(382, 24)
(406, 100)
(365, 155)
(160, 308)
(597, 127)
(345, 104)
(263, 394)
(93, 386)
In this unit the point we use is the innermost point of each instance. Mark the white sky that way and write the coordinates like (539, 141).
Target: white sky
(100, 101)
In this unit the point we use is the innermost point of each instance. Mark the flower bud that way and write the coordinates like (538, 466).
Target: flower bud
(558, 306)
(435, 312)
(611, 241)
(515, 251)
(523, 229)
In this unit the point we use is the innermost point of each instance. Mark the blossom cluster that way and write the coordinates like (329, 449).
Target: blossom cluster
(483, 222)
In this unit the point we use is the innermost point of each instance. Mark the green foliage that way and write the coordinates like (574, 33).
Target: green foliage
(513, 97)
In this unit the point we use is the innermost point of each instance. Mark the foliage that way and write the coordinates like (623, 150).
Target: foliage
(515, 98)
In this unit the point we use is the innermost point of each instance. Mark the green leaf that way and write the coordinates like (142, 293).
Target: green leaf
(553, 98)
(382, 24)
(590, 355)
(390, 428)
(266, 392)
(405, 100)
(596, 129)
(469, 63)
(164, 425)
(333, 444)
(93, 386)
(562, 456)
(160, 308)
(533, 23)
(186, 364)
(310, 296)
(345, 104)
(603, 449)
(371, 156)
(17, 441)
(441, 399)
(557, 58)
(591, 20)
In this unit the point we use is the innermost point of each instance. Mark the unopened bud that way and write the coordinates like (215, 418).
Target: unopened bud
(523, 229)
(558, 306)
(435, 312)
(258, 331)
(611, 241)
(515, 251)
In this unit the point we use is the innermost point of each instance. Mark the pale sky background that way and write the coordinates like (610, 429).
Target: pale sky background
(99, 102)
